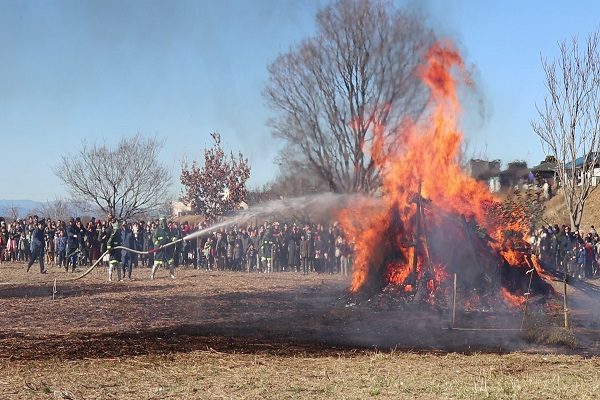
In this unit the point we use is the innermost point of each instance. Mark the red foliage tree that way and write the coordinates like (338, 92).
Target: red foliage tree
(219, 185)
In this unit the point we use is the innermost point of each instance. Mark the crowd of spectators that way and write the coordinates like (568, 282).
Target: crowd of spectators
(576, 252)
(273, 247)
(268, 247)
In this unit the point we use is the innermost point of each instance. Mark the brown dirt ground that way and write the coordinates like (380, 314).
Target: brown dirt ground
(237, 335)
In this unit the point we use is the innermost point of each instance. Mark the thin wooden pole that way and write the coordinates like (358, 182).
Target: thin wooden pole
(54, 289)
(565, 302)
(454, 302)
(530, 272)
(417, 237)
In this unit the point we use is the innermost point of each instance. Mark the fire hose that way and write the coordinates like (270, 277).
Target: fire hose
(141, 252)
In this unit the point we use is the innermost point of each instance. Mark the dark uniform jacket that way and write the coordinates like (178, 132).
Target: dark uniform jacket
(161, 237)
(128, 240)
(72, 239)
(37, 240)
(114, 241)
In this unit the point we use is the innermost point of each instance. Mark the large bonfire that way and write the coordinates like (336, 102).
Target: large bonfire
(432, 220)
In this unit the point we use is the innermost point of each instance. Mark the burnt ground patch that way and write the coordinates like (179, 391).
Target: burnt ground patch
(282, 313)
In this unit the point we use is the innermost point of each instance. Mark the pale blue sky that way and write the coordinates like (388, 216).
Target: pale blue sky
(180, 69)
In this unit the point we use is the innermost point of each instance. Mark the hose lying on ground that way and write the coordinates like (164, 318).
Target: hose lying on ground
(90, 269)
(187, 237)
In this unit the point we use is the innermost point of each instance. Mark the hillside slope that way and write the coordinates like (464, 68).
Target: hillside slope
(556, 211)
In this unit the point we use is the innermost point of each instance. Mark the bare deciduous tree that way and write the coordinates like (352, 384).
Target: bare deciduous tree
(126, 181)
(57, 210)
(294, 178)
(330, 90)
(62, 209)
(13, 212)
(569, 120)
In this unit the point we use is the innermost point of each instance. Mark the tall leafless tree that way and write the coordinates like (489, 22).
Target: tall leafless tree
(62, 209)
(329, 91)
(57, 209)
(125, 181)
(569, 120)
(13, 212)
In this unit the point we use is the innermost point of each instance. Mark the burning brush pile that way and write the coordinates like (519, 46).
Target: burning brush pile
(433, 222)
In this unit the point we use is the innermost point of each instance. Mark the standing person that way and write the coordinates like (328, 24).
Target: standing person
(344, 256)
(229, 251)
(72, 245)
(61, 248)
(589, 259)
(292, 251)
(50, 246)
(186, 246)
(11, 246)
(163, 255)
(339, 242)
(284, 238)
(38, 243)
(318, 246)
(82, 245)
(275, 266)
(127, 240)
(238, 252)
(304, 254)
(255, 253)
(310, 238)
(596, 263)
(23, 248)
(220, 250)
(580, 260)
(208, 253)
(138, 239)
(103, 237)
(146, 239)
(200, 242)
(266, 251)
(175, 232)
(3, 238)
(114, 254)
(149, 240)
(250, 256)
(93, 242)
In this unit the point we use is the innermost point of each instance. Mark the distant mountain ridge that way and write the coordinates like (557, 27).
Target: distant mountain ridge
(24, 207)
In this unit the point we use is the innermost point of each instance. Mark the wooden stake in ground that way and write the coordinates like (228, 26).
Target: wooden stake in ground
(565, 303)
(454, 302)
(530, 272)
(417, 237)
(54, 289)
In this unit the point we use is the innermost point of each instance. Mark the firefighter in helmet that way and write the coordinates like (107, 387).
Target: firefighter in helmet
(114, 254)
(164, 255)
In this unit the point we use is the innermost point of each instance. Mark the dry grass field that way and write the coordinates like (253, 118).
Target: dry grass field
(556, 212)
(222, 335)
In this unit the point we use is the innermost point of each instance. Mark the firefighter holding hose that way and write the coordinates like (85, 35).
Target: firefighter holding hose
(114, 254)
(164, 255)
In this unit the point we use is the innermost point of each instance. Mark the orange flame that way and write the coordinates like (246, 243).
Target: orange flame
(427, 157)
(421, 159)
(513, 299)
